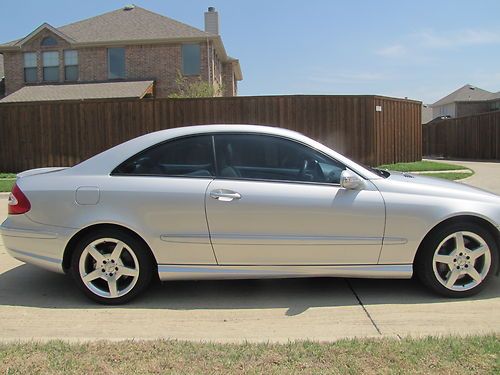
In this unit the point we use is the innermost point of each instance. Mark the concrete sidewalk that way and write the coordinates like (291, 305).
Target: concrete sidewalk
(35, 304)
(486, 176)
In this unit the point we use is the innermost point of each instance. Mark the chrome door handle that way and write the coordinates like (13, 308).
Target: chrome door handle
(225, 195)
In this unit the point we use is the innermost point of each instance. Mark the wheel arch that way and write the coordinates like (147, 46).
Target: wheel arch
(70, 246)
(465, 218)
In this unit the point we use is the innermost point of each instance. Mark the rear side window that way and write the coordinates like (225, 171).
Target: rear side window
(263, 157)
(186, 157)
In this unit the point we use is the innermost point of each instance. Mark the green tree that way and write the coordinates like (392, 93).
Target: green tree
(197, 89)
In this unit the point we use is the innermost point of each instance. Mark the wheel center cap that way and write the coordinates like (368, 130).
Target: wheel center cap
(461, 261)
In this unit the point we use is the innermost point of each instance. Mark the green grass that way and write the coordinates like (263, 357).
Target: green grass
(448, 355)
(449, 176)
(6, 185)
(7, 175)
(420, 166)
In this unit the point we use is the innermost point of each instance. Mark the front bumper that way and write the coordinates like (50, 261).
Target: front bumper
(33, 243)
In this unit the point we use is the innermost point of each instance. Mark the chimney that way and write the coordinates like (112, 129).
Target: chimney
(212, 21)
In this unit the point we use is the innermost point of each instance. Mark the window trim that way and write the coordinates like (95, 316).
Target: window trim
(214, 157)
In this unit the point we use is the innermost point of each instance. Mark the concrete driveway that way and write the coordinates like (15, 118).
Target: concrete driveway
(35, 304)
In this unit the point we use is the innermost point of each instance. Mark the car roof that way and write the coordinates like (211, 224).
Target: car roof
(108, 160)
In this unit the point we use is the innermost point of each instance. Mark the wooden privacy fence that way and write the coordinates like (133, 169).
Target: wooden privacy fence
(370, 129)
(470, 137)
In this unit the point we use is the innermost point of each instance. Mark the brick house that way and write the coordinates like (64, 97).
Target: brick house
(126, 45)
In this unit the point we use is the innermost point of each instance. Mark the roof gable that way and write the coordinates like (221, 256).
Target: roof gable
(38, 30)
(127, 25)
(465, 93)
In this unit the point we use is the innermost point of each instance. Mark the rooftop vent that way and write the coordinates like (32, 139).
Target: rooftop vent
(129, 7)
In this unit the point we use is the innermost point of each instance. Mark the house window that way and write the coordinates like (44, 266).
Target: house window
(48, 41)
(116, 63)
(191, 60)
(50, 66)
(71, 65)
(30, 67)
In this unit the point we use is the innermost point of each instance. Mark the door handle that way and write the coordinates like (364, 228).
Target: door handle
(225, 195)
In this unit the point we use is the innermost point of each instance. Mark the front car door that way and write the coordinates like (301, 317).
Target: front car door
(164, 187)
(278, 202)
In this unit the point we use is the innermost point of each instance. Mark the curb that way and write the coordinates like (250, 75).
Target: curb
(4, 195)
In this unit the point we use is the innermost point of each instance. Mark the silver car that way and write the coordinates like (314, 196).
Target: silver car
(242, 201)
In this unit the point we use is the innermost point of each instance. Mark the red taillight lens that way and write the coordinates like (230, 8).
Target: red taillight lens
(18, 203)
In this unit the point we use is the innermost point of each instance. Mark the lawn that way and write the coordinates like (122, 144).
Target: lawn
(7, 175)
(450, 176)
(420, 166)
(6, 184)
(449, 355)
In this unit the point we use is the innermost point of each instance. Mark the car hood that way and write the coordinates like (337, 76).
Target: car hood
(425, 185)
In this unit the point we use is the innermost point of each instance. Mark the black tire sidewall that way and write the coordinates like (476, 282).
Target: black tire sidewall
(143, 257)
(424, 260)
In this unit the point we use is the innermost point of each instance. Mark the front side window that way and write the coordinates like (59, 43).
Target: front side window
(50, 66)
(71, 65)
(191, 59)
(116, 63)
(30, 67)
(261, 157)
(184, 157)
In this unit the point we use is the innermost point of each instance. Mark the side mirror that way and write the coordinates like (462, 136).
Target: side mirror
(350, 180)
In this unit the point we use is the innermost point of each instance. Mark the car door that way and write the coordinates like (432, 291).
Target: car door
(164, 189)
(278, 202)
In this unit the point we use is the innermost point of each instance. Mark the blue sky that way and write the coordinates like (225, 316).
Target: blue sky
(419, 49)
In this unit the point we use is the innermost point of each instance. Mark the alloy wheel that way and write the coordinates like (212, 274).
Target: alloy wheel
(461, 261)
(109, 268)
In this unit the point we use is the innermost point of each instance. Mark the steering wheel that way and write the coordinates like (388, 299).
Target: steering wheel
(303, 169)
(312, 172)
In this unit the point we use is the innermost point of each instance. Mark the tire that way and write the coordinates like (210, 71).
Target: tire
(453, 270)
(111, 266)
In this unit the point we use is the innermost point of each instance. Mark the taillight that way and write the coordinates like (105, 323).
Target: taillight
(18, 203)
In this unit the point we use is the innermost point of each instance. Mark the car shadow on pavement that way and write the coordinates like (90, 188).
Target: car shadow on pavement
(30, 286)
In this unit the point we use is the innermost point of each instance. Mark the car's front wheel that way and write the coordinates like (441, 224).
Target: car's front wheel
(111, 266)
(457, 260)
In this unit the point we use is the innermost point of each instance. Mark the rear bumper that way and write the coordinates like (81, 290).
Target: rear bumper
(36, 244)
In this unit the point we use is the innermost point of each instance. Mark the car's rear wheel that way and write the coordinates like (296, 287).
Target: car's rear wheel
(111, 266)
(457, 260)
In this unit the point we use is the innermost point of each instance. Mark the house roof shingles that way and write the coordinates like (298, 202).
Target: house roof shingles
(80, 91)
(465, 93)
(134, 24)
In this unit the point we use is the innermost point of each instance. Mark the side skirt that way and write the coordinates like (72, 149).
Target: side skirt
(197, 272)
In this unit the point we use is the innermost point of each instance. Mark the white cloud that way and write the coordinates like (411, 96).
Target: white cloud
(395, 50)
(418, 46)
(467, 37)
